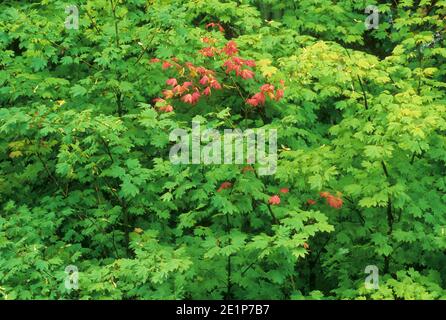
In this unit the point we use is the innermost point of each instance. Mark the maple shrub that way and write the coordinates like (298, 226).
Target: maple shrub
(86, 182)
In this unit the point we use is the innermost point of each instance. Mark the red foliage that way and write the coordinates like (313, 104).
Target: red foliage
(311, 202)
(208, 52)
(200, 81)
(279, 94)
(207, 91)
(188, 99)
(332, 201)
(215, 84)
(274, 200)
(267, 90)
(172, 82)
(168, 94)
(247, 169)
(224, 185)
(166, 65)
(213, 24)
(247, 74)
(204, 81)
(167, 108)
(230, 48)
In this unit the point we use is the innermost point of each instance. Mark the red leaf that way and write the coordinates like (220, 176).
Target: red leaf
(274, 200)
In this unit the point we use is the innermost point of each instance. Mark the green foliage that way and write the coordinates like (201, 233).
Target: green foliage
(85, 176)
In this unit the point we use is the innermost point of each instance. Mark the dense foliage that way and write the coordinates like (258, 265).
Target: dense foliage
(85, 175)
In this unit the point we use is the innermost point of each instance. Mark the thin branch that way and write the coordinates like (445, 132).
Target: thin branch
(93, 23)
(107, 148)
(116, 23)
